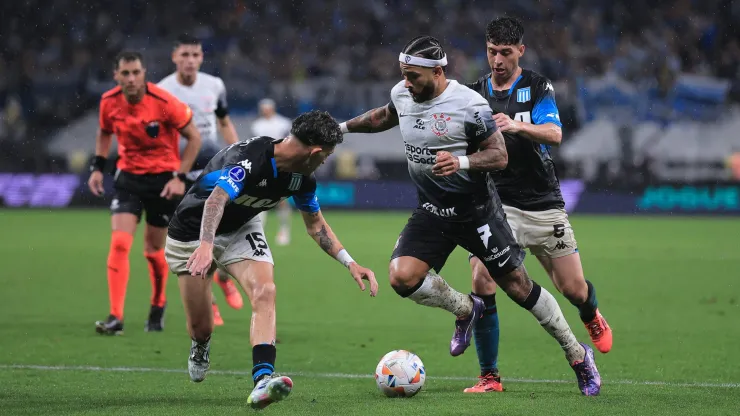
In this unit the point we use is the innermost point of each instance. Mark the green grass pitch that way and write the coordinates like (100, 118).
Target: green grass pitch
(668, 286)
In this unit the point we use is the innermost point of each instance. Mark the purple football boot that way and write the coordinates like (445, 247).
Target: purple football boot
(589, 380)
(464, 328)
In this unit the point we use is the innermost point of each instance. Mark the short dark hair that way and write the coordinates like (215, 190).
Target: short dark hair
(505, 31)
(425, 47)
(127, 56)
(185, 39)
(317, 128)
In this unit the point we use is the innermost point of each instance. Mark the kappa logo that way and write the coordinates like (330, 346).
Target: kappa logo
(549, 87)
(259, 253)
(246, 164)
(561, 245)
(263, 183)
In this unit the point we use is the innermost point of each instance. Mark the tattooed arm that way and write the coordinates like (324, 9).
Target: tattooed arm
(320, 231)
(199, 263)
(492, 154)
(374, 121)
(212, 213)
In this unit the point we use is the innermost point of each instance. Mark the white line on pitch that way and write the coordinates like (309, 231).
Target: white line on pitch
(342, 375)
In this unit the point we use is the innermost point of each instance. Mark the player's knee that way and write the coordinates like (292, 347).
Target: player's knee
(576, 291)
(403, 277)
(263, 295)
(516, 284)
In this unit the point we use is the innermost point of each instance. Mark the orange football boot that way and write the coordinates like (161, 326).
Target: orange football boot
(217, 319)
(600, 332)
(233, 297)
(487, 383)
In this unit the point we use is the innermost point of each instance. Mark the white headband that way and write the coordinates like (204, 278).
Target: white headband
(417, 61)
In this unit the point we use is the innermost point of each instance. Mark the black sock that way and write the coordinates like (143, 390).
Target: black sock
(263, 358)
(587, 310)
(406, 292)
(533, 297)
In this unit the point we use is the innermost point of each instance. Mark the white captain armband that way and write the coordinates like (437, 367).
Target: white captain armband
(464, 162)
(344, 258)
(343, 127)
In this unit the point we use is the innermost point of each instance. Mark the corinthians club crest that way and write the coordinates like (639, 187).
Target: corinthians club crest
(439, 124)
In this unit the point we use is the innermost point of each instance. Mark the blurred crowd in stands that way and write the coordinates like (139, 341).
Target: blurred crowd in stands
(56, 55)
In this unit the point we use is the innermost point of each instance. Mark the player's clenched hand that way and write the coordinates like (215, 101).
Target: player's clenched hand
(446, 165)
(200, 261)
(174, 188)
(360, 273)
(95, 183)
(505, 123)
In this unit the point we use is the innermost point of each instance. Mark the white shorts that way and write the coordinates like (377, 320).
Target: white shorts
(545, 233)
(246, 243)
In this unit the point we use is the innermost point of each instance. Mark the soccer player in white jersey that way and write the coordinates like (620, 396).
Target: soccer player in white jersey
(271, 124)
(451, 142)
(206, 96)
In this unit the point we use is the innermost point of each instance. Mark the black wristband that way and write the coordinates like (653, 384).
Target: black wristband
(179, 175)
(98, 163)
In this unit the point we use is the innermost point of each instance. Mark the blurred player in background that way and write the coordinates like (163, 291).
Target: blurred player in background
(451, 142)
(150, 176)
(206, 96)
(272, 124)
(526, 113)
(217, 224)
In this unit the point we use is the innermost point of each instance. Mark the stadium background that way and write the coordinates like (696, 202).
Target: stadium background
(649, 95)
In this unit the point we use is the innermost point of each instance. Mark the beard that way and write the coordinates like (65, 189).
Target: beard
(425, 95)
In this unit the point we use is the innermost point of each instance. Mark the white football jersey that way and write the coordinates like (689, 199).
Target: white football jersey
(457, 121)
(206, 98)
(276, 127)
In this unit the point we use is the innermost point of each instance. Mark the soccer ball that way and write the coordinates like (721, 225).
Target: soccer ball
(400, 374)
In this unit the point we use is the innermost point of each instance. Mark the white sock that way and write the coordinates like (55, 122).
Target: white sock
(435, 292)
(548, 313)
(283, 214)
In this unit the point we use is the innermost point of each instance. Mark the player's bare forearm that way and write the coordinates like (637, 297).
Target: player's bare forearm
(374, 121)
(102, 143)
(212, 213)
(492, 154)
(192, 135)
(547, 133)
(319, 230)
(228, 130)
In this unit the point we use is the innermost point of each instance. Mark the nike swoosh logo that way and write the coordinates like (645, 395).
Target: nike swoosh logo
(504, 262)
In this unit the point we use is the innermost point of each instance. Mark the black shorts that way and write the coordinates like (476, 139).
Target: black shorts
(432, 239)
(135, 194)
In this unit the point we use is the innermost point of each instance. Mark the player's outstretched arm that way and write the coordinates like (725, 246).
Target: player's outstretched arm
(319, 230)
(492, 156)
(374, 121)
(200, 261)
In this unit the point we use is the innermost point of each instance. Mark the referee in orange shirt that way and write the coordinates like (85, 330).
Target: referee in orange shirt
(150, 177)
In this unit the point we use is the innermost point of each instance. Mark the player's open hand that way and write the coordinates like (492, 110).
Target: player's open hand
(95, 183)
(505, 123)
(360, 273)
(200, 261)
(446, 165)
(173, 189)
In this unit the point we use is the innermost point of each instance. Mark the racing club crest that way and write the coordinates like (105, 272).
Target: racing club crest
(439, 124)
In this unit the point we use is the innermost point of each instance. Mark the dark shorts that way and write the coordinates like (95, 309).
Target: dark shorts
(135, 194)
(432, 239)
